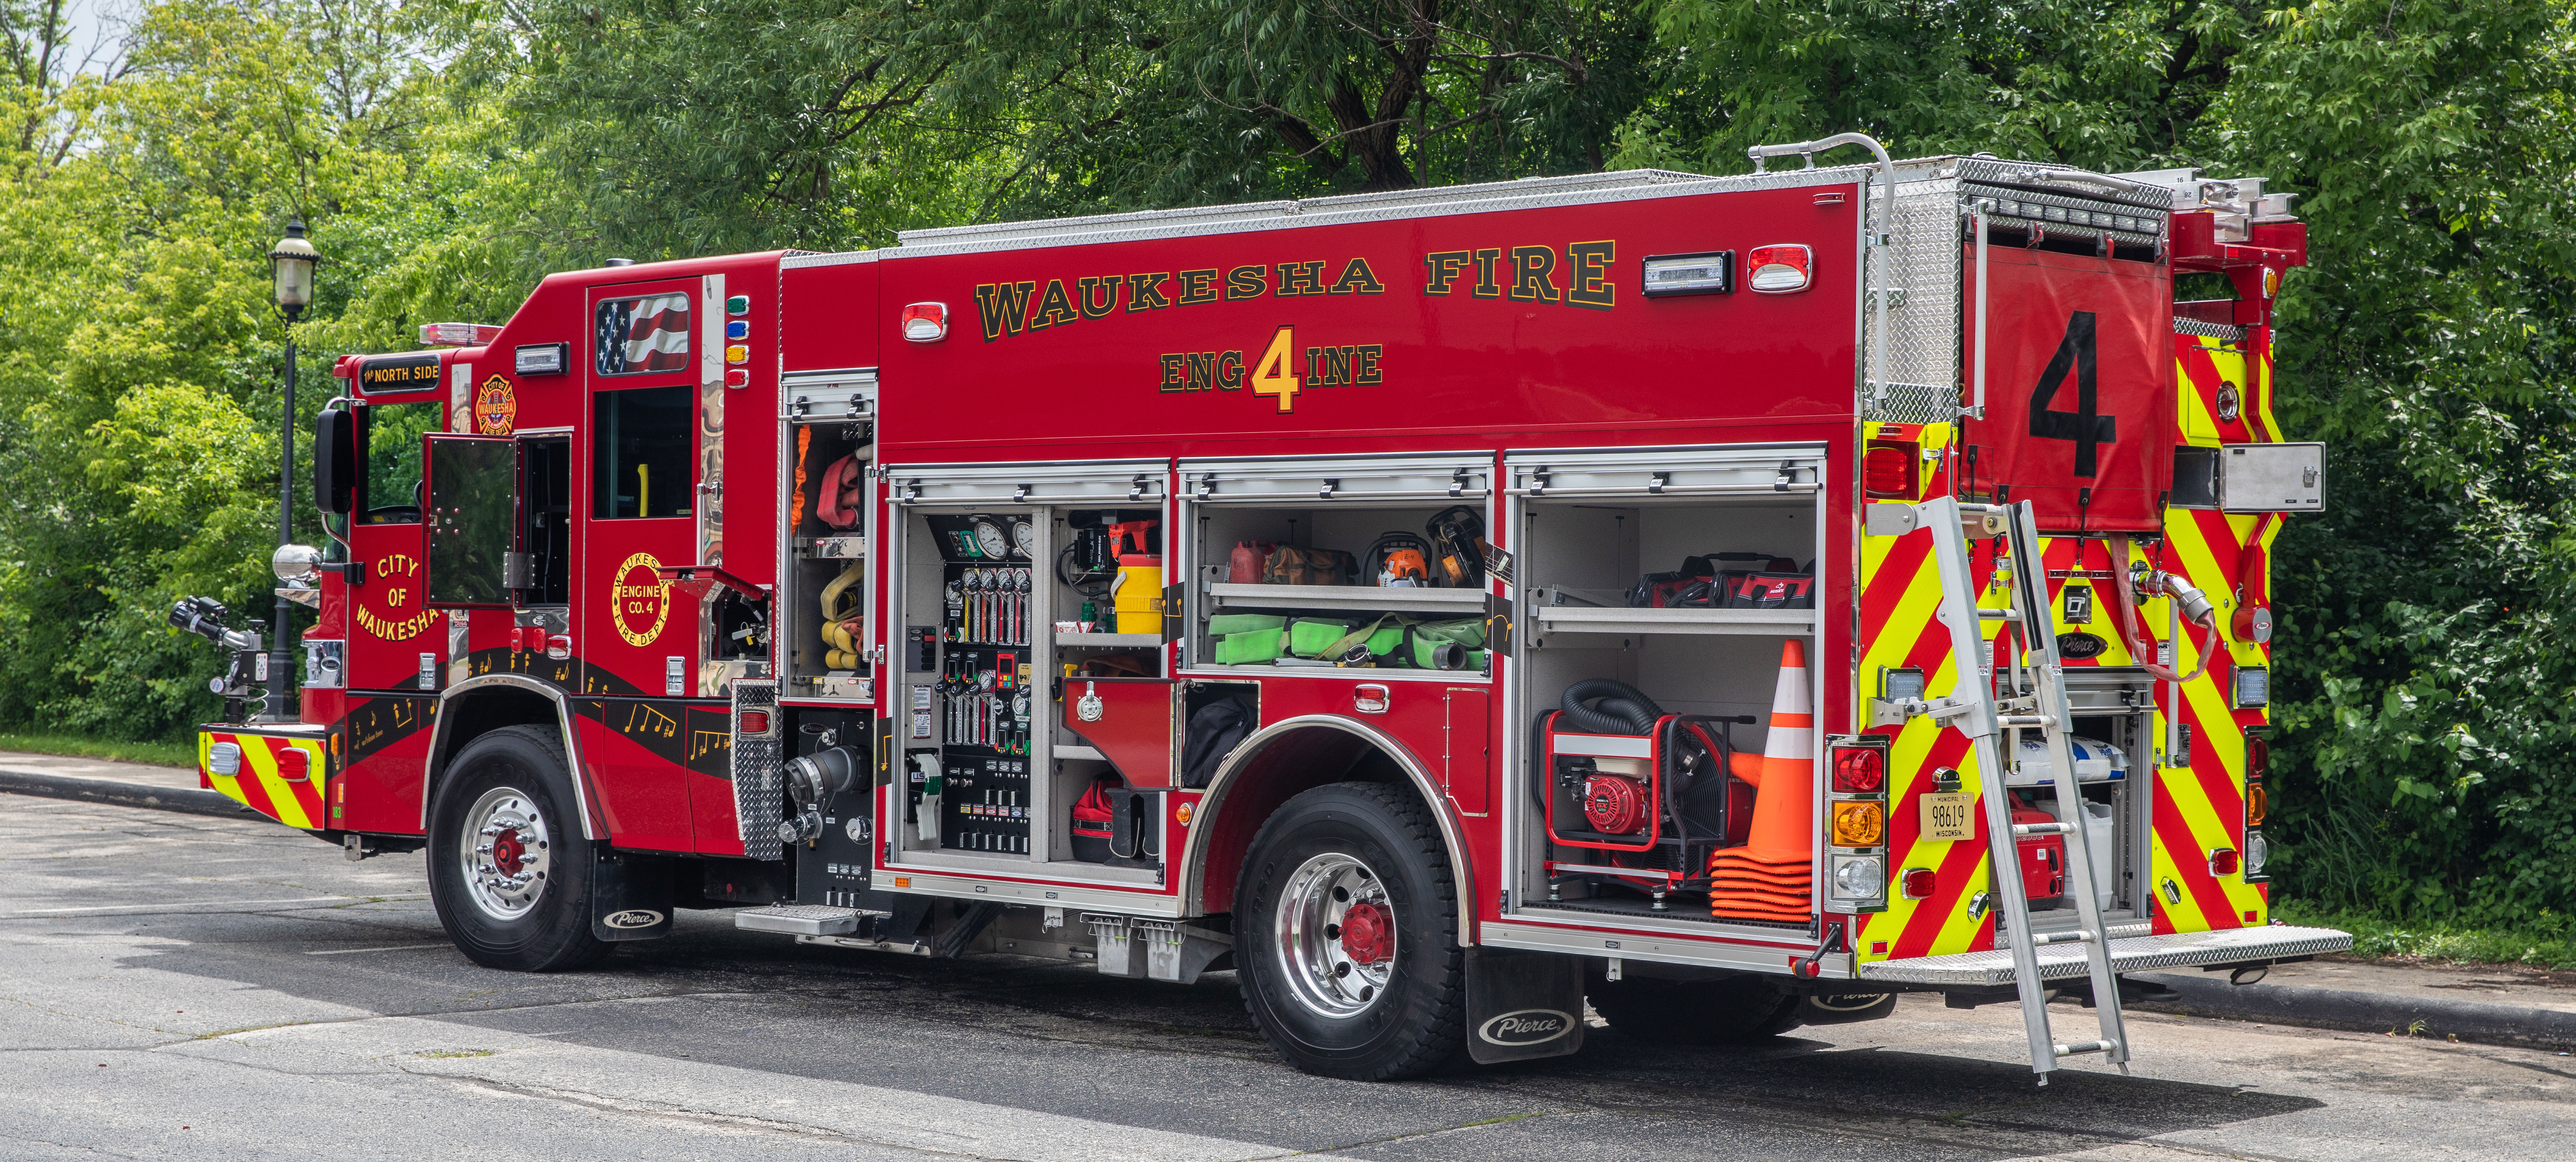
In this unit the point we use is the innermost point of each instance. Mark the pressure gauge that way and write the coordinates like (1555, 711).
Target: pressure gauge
(988, 537)
(1024, 536)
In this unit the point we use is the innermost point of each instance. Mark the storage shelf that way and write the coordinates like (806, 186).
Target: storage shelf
(1369, 597)
(1110, 640)
(1075, 750)
(1757, 622)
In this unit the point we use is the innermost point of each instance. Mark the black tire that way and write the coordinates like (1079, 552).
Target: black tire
(1412, 1022)
(1731, 1011)
(519, 771)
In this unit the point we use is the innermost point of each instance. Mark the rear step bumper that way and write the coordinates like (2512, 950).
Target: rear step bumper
(2129, 954)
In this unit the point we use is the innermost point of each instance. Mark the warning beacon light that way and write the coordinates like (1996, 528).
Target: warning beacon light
(1779, 269)
(925, 322)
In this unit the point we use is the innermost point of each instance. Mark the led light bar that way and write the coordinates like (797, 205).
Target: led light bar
(458, 334)
(1708, 273)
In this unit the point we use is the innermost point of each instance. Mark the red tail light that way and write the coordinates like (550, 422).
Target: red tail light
(1918, 883)
(752, 722)
(925, 322)
(1859, 770)
(1779, 269)
(294, 765)
(2223, 862)
(1887, 469)
(2258, 758)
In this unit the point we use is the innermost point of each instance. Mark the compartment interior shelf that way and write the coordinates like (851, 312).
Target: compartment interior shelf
(1370, 597)
(1111, 640)
(1075, 750)
(1764, 622)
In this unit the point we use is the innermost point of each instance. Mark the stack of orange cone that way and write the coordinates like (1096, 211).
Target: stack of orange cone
(1771, 877)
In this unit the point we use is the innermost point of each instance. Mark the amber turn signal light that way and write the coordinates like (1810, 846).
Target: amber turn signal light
(1859, 824)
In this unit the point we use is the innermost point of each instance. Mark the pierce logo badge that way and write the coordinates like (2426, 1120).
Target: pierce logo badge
(1525, 1027)
(633, 918)
(641, 598)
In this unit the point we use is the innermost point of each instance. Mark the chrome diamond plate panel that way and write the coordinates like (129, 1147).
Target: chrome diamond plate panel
(759, 798)
(1922, 374)
(2133, 954)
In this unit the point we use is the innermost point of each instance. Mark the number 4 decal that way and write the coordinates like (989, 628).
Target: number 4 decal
(2084, 425)
(1276, 377)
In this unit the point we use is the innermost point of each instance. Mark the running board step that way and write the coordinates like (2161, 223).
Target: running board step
(803, 919)
(2061, 961)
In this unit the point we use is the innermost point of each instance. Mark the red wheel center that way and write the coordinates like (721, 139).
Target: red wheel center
(507, 850)
(1368, 933)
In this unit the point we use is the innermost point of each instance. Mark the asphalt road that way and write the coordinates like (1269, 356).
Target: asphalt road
(177, 986)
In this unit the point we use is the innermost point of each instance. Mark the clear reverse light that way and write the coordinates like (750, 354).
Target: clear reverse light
(1859, 877)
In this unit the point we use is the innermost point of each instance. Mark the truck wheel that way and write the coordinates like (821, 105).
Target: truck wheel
(508, 869)
(1346, 922)
(1731, 1011)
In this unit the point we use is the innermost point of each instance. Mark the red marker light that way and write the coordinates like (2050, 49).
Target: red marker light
(752, 722)
(1887, 470)
(1918, 883)
(1779, 269)
(1859, 771)
(925, 322)
(2223, 862)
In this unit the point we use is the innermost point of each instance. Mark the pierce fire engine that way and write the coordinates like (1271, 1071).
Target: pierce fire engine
(1727, 601)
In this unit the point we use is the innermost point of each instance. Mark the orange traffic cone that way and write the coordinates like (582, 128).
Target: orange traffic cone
(1771, 876)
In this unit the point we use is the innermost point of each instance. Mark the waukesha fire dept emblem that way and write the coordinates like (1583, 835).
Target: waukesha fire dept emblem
(642, 599)
(496, 407)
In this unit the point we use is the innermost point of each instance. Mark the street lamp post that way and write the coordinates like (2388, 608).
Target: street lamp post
(291, 266)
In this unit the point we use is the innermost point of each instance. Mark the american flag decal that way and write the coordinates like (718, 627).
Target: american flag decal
(641, 335)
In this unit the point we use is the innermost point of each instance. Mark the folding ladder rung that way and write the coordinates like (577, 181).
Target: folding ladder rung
(2043, 829)
(1999, 615)
(2085, 1047)
(2078, 937)
(2026, 721)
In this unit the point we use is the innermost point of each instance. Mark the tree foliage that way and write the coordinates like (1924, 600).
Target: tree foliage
(449, 154)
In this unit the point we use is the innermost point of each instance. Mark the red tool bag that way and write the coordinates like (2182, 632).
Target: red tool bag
(1771, 591)
(1094, 823)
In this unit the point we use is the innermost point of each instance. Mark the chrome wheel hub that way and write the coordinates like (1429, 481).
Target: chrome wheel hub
(1335, 935)
(507, 852)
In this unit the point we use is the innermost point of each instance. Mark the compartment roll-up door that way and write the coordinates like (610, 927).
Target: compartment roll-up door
(845, 393)
(1100, 482)
(1427, 478)
(1722, 470)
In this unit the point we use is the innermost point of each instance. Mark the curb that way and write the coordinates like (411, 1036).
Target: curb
(192, 800)
(2315, 1008)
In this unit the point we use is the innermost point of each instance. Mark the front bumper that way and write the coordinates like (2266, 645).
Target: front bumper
(2128, 954)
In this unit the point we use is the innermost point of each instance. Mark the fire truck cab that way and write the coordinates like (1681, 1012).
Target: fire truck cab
(1442, 608)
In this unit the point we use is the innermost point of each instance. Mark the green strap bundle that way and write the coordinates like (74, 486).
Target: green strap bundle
(1391, 640)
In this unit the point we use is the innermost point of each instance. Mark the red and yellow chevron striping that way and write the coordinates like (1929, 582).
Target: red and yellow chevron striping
(264, 783)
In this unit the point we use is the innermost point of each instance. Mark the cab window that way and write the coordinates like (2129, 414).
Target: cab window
(393, 460)
(641, 445)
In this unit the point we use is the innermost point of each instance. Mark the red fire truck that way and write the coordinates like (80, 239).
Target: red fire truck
(1727, 601)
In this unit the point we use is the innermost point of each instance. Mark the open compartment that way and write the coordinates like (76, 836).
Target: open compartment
(1379, 563)
(1668, 608)
(994, 566)
(825, 612)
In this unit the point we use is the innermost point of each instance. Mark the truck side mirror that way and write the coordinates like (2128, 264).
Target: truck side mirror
(335, 461)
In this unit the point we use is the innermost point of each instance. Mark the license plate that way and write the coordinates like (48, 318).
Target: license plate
(1949, 816)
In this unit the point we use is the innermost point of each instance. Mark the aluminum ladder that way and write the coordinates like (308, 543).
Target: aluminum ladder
(1974, 710)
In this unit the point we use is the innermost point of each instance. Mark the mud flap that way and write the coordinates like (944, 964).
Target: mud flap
(630, 896)
(1522, 1005)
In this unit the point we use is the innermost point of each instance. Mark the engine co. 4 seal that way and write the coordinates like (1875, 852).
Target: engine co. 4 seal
(642, 599)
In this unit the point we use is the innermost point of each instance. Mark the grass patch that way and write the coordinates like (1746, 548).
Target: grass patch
(167, 754)
(2548, 941)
